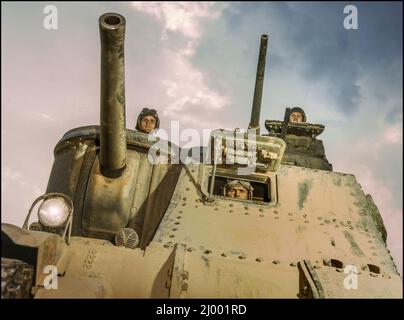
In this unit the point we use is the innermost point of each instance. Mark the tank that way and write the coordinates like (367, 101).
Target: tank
(274, 221)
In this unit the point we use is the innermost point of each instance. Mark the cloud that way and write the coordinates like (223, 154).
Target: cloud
(375, 143)
(394, 135)
(39, 116)
(15, 177)
(181, 17)
(187, 91)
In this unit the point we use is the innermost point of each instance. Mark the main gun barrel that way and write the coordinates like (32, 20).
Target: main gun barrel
(112, 132)
(259, 83)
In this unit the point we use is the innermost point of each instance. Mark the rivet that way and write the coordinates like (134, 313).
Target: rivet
(241, 257)
(276, 217)
(276, 212)
(290, 213)
(207, 251)
(261, 215)
(216, 209)
(231, 205)
(224, 255)
(260, 209)
(177, 222)
(276, 262)
(184, 204)
(246, 213)
(259, 259)
(180, 211)
(306, 221)
(187, 189)
(293, 264)
(246, 208)
(179, 217)
(190, 249)
(171, 236)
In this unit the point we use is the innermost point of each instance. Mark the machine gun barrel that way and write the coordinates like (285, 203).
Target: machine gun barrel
(112, 118)
(259, 83)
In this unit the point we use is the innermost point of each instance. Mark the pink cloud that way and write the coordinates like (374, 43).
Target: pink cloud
(394, 135)
(184, 85)
(182, 17)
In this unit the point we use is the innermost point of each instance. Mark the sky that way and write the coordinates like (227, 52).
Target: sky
(196, 62)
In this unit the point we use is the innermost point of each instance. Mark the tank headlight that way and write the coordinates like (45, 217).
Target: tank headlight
(53, 212)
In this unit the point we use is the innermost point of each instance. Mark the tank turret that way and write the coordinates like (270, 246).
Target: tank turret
(303, 148)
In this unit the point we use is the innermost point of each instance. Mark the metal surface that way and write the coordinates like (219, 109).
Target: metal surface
(259, 84)
(112, 138)
(108, 201)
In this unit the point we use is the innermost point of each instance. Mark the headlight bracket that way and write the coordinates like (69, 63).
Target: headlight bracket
(65, 230)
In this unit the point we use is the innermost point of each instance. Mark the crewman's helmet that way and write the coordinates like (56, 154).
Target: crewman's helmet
(301, 111)
(234, 183)
(147, 112)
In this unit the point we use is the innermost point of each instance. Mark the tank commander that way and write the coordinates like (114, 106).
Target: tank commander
(147, 121)
(297, 115)
(238, 189)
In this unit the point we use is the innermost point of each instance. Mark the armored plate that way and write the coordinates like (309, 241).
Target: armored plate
(300, 129)
(241, 148)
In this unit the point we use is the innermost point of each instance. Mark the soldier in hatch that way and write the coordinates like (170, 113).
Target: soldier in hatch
(147, 121)
(297, 115)
(238, 189)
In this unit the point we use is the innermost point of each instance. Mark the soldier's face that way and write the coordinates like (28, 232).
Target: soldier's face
(147, 124)
(237, 192)
(296, 117)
